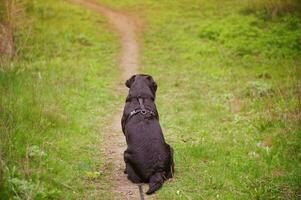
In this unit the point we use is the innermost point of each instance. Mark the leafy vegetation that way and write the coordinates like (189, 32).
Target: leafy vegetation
(55, 99)
(229, 98)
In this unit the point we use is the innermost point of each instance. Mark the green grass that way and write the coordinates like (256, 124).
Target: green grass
(228, 98)
(228, 87)
(56, 99)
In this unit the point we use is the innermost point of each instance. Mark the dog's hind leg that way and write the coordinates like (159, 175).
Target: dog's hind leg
(126, 159)
(171, 168)
(132, 174)
(129, 169)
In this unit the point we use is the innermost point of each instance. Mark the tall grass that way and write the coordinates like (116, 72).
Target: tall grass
(12, 16)
(9, 16)
(270, 9)
(4, 28)
(5, 11)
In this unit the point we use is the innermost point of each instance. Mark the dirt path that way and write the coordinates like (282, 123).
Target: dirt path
(114, 139)
(126, 29)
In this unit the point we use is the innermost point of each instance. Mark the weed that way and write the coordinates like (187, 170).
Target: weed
(258, 89)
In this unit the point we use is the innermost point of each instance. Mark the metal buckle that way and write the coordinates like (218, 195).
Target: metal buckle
(133, 112)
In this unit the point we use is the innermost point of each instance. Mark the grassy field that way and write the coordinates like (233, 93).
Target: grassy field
(56, 98)
(228, 77)
(228, 81)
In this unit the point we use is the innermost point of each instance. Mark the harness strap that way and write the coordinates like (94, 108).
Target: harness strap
(141, 110)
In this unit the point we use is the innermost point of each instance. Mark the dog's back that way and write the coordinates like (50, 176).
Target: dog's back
(148, 157)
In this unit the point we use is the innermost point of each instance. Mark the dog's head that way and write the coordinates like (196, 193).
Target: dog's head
(143, 84)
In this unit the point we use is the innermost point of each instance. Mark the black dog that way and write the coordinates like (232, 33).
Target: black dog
(148, 158)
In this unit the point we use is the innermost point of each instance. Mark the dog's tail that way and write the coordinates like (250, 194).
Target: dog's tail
(155, 182)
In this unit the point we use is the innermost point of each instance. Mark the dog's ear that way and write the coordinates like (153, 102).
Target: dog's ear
(153, 83)
(130, 81)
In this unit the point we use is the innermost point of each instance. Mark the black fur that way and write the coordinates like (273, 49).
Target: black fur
(148, 158)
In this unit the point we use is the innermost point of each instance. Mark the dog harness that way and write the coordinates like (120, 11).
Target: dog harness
(141, 110)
